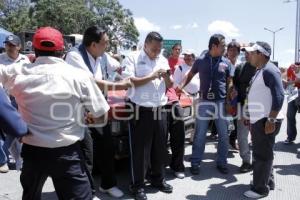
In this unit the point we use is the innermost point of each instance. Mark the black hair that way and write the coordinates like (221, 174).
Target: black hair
(92, 34)
(234, 44)
(58, 54)
(175, 45)
(153, 36)
(215, 39)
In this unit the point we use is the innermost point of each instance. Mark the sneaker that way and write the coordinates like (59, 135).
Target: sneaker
(4, 168)
(222, 169)
(288, 141)
(195, 169)
(95, 198)
(254, 195)
(245, 167)
(271, 185)
(114, 192)
(179, 175)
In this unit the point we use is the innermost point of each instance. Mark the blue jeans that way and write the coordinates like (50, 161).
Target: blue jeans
(208, 110)
(3, 157)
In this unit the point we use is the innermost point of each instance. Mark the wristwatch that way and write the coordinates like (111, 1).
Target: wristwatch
(272, 120)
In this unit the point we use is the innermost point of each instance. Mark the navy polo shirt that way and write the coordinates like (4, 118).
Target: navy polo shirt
(212, 71)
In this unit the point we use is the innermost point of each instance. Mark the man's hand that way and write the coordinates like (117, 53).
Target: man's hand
(159, 73)
(269, 127)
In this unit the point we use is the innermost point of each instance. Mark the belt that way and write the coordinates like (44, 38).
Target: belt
(194, 94)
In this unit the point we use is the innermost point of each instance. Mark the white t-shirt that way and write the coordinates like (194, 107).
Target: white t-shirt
(52, 97)
(179, 74)
(151, 94)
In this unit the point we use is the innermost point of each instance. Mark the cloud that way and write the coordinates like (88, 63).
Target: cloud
(194, 25)
(224, 27)
(143, 25)
(176, 27)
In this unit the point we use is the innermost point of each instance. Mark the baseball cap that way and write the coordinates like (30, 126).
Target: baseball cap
(188, 52)
(48, 39)
(262, 47)
(13, 39)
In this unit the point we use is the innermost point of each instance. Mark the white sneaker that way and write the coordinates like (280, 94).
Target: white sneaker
(4, 168)
(114, 191)
(179, 175)
(95, 198)
(253, 195)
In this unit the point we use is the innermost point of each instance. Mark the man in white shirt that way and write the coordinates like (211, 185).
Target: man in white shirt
(265, 99)
(11, 56)
(90, 56)
(192, 89)
(52, 97)
(150, 76)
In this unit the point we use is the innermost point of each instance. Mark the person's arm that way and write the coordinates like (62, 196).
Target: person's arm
(108, 85)
(187, 78)
(10, 120)
(273, 80)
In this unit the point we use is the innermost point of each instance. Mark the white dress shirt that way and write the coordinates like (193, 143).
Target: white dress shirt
(52, 97)
(151, 94)
(179, 74)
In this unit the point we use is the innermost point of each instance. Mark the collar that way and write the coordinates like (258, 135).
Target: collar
(48, 60)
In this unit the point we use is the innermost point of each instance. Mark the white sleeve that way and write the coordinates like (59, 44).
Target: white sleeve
(75, 59)
(128, 67)
(177, 77)
(112, 63)
(93, 98)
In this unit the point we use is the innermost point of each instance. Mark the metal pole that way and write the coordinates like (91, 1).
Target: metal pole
(273, 45)
(274, 32)
(297, 32)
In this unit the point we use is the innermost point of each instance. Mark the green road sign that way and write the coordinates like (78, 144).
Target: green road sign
(167, 46)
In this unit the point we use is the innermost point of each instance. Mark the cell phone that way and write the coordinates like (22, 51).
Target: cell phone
(168, 72)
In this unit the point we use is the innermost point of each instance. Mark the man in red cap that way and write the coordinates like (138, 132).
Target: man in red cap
(53, 97)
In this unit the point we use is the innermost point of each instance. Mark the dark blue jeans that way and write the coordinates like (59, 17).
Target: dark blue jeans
(291, 119)
(65, 165)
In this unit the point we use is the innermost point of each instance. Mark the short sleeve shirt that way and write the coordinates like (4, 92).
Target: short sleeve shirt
(213, 74)
(151, 94)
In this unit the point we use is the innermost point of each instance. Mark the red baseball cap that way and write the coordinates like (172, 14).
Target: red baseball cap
(48, 39)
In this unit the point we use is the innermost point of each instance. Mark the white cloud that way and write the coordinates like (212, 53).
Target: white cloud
(224, 27)
(143, 25)
(176, 27)
(195, 25)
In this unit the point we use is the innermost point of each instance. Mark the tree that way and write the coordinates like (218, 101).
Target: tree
(119, 22)
(71, 17)
(67, 16)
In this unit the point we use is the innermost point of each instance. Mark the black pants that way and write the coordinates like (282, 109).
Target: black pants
(263, 145)
(104, 154)
(147, 137)
(64, 165)
(86, 146)
(98, 152)
(177, 135)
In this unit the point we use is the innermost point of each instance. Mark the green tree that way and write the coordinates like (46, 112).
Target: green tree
(65, 15)
(118, 21)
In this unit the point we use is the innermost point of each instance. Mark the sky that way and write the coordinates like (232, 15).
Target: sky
(194, 21)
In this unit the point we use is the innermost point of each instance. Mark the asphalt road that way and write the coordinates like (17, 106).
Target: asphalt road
(208, 185)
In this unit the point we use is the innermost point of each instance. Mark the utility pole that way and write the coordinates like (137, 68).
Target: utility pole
(274, 32)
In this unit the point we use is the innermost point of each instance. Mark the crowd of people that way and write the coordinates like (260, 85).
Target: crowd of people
(54, 111)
